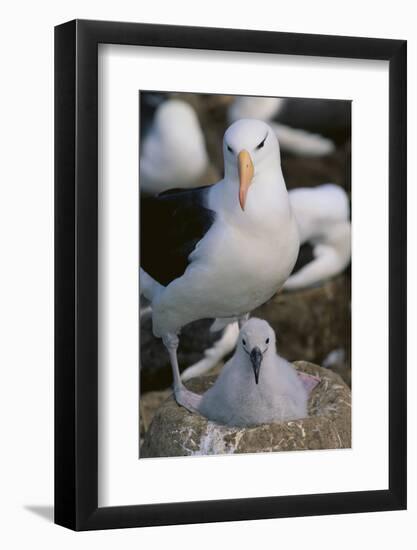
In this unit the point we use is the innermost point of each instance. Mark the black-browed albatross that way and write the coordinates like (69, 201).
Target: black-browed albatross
(218, 251)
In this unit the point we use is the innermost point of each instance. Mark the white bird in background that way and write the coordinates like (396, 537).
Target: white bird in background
(262, 108)
(256, 386)
(294, 140)
(173, 154)
(322, 215)
(219, 251)
(301, 142)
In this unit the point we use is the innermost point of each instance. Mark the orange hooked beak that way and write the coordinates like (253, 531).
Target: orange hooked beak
(246, 170)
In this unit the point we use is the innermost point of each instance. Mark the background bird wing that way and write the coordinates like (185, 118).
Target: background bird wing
(171, 225)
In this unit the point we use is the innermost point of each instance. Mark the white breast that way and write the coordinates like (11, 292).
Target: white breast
(251, 266)
(232, 273)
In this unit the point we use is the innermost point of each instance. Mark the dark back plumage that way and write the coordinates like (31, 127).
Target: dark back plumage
(171, 225)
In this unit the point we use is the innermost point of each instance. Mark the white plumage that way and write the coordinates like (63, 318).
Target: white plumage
(239, 398)
(262, 108)
(322, 215)
(174, 152)
(301, 142)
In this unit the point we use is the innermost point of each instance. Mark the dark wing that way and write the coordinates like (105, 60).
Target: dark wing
(171, 225)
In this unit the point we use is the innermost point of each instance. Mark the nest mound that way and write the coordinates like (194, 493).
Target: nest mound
(176, 432)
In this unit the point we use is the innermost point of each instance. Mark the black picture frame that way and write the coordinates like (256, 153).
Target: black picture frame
(76, 272)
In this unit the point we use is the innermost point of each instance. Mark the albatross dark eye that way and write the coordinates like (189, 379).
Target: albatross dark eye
(262, 143)
(244, 342)
(267, 341)
(229, 149)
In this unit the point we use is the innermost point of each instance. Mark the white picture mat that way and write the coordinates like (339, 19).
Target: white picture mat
(123, 479)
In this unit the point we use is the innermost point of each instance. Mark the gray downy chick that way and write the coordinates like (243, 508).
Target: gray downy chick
(256, 386)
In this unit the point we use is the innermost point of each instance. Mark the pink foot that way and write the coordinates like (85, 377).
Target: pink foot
(309, 381)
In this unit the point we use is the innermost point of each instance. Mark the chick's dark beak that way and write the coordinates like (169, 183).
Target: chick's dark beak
(256, 360)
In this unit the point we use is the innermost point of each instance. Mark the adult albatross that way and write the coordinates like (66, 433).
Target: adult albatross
(218, 251)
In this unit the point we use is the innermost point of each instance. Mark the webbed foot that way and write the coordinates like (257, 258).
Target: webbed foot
(187, 399)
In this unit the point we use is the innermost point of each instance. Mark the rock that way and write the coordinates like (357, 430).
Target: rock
(148, 405)
(176, 432)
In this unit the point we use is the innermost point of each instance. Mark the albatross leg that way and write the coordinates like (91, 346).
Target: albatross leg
(183, 397)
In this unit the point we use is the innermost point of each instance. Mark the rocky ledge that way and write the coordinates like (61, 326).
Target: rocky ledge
(174, 431)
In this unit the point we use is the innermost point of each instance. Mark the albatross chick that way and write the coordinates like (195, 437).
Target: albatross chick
(256, 386)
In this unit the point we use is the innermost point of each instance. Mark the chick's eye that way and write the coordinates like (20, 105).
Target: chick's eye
(244, 342)
(267, 341)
